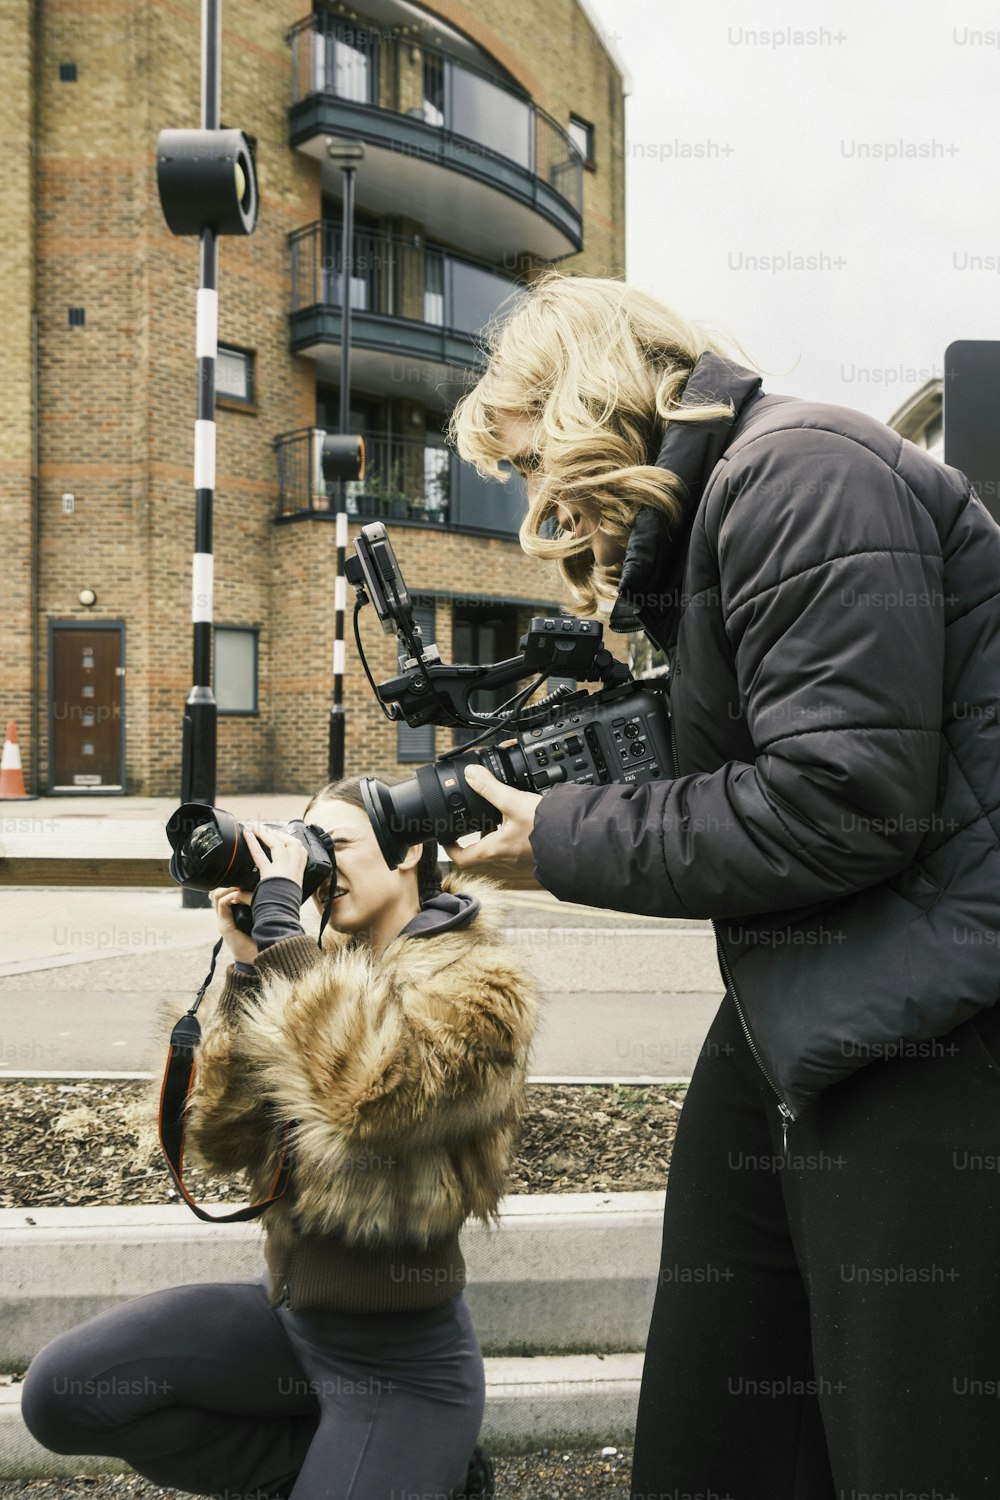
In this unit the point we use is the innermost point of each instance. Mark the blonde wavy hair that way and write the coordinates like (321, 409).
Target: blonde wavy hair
(599, 368)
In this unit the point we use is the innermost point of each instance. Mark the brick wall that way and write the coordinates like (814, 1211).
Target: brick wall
(118, 395)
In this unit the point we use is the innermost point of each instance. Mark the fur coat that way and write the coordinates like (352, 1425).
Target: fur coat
(406, 1076)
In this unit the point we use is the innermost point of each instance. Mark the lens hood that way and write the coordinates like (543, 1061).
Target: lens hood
(181, 825)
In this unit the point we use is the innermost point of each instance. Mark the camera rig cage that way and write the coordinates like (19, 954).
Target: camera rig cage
(618, 734)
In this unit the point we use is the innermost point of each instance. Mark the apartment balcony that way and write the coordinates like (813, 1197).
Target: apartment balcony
(416, 311)
(448, 143)
(407, 481)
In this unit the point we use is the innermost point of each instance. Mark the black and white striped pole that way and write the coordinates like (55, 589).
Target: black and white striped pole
(208, 186)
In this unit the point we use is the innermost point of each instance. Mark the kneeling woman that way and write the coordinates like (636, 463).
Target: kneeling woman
(350, 1370)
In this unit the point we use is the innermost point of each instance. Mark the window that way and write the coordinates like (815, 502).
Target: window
(234, 375)
(483, 633)
(234, 678)
(433, 90)
(437, 472)
(434, 288)
(581, 133)
(344, 63)
(418, 744)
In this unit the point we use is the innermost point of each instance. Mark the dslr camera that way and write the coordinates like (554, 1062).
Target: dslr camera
(619, 734)
(210, 850)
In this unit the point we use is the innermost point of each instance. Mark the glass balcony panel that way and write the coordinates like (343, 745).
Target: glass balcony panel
(474, 295)
(486, 113)
(480, 504)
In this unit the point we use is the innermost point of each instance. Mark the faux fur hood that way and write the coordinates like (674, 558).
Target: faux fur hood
(406, 1076)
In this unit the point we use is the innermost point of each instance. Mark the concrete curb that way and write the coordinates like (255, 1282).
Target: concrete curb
(565, 1272)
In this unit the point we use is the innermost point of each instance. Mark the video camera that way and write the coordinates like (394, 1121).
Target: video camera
(617, 735)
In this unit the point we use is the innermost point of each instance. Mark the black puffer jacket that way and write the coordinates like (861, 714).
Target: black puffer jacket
(831, 610)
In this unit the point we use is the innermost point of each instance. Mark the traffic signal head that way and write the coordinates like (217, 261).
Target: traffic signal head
(206, 180)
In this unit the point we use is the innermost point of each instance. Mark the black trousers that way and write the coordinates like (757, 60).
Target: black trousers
(827, 1322)
(208, 1388)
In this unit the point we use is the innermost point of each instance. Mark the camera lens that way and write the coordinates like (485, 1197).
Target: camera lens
(196, 851)
(209, 849)
(438, 803)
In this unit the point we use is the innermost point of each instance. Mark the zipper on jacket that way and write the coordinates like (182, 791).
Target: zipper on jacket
(786, 1114)
(284, 1296)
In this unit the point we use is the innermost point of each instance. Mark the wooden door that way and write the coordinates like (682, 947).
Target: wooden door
(86, 742)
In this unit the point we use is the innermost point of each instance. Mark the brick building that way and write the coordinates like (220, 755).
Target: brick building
(494, 145)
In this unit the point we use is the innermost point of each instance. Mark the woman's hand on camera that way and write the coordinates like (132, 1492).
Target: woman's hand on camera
(288, 857)
(509, 845)
(240, 944)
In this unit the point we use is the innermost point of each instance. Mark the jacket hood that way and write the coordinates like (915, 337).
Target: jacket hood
(691, 451)
(443, 913)
(468, 910)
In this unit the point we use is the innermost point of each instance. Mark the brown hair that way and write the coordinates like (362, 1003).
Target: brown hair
(349, 790)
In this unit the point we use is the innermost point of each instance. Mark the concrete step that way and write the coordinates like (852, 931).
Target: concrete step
(564, 1272)
(568, 1400)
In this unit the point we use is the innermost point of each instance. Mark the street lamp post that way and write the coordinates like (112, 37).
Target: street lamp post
(346, 154)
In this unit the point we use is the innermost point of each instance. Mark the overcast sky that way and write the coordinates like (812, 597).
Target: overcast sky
(862, 137)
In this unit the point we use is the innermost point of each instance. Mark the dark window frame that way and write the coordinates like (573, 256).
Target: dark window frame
(589, 160)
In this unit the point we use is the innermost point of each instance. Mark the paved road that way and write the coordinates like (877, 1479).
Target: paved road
(89, 978)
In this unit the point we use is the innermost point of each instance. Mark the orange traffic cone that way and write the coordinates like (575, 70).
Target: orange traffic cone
(11, 775)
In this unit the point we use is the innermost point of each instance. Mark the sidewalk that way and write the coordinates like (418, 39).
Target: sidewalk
(122, 840)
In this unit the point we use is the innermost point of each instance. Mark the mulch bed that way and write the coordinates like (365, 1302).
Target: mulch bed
(551, 1474)
(94, 1143)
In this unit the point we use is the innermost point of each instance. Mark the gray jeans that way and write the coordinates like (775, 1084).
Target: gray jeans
(209, 1389)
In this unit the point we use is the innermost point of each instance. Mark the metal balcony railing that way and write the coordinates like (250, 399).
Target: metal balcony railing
(405, 479)
(398, 276)
(360, 62)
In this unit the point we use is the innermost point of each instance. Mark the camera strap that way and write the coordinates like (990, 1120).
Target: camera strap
(178, 1080)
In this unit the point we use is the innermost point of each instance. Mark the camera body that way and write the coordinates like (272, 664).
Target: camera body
(617, 735)
(210, 850)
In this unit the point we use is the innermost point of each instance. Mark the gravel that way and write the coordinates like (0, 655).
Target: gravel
(551, 1474)
(94, 1142)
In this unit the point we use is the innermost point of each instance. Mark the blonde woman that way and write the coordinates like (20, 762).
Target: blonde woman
(828, 598)
(350, 1370)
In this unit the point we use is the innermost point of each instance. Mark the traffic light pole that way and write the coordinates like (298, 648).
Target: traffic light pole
(208, 186)
(198, 771)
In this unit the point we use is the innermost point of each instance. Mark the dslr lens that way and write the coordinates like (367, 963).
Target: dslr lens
(194, 853)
